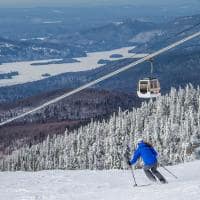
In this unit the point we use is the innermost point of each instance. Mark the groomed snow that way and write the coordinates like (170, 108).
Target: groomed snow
(99, 185)
(29, 73)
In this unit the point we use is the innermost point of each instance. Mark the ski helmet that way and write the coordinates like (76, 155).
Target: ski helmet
(139, 140)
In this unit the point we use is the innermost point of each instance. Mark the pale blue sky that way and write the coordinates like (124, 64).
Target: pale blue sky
(30, 3)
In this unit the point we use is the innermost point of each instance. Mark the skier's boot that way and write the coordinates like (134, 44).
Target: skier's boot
(163, 181)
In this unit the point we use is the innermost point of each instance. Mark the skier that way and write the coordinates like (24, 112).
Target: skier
(149, 157)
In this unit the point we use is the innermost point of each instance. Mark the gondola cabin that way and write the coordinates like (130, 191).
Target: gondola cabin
(148, 88)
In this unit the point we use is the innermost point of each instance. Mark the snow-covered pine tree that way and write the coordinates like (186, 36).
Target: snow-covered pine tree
(171, 123)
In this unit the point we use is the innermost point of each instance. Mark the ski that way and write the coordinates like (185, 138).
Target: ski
(144, 185)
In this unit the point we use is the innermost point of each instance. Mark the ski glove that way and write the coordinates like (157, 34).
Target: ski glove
(129, 163)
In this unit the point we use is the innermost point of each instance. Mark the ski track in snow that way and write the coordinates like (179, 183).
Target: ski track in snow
(29, 73)
(100, 185)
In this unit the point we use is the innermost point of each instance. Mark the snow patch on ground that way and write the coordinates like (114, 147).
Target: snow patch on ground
(37, 38)
(118, 23)
(145, 36)
(100, 185)
(6, 45)
(52, 22)
(29, 73)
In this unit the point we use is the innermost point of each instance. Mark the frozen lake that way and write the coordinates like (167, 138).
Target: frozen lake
(29, 73)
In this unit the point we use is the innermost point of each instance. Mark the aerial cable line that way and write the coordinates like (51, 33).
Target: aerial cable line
(125, 61)
(111, 74)
(186, 29)
(174, 35)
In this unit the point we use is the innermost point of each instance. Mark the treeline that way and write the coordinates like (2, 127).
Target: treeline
(71, 113)
(171, 123)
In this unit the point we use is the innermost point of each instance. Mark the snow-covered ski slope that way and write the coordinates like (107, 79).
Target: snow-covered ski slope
(100, 185)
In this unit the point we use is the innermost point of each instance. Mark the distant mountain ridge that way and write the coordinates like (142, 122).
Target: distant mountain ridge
(62, 46)
(167, 66)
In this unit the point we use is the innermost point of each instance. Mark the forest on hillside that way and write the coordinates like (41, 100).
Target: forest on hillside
(171, 123)
(69, 113)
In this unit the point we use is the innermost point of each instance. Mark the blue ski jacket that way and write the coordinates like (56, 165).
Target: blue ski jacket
(146, 152)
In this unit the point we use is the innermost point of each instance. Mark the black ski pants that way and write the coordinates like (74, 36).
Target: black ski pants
(152, 173)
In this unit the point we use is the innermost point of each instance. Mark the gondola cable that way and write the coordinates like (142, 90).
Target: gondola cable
(111, 74)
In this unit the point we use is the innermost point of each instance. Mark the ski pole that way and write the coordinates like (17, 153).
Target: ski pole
(135, 184)
(127, 156)
(168, 171)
